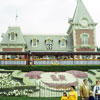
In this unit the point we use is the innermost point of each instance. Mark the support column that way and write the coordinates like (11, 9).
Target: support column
(32, 59)
(73, 58)
(28, 59)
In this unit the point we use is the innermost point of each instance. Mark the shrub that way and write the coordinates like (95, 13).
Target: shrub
(49, 68)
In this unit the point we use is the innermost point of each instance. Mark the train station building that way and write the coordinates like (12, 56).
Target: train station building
(80, 36)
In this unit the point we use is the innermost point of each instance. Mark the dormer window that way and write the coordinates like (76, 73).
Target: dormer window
(63, 42)
(12, 36)
(34, 42)
(49, 44)
(49, 41)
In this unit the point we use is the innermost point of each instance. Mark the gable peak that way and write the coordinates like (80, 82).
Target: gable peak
(81, 12)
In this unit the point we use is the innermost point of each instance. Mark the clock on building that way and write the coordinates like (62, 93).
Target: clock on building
(84, 23)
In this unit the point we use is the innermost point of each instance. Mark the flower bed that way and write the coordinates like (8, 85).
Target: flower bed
(57, 80)
(78, 74)
(61, 86)
(34, 74)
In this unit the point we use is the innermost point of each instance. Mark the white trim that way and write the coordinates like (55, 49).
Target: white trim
(85, 34)
(14, 36)
(33, 41)
(50, 41)
(81, 19)
(63, 38)
(82, 37)
(74, 39)
(49, 38)
(95, 38)
(65, 44)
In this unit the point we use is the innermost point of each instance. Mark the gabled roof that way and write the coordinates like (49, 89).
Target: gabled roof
(19, 38)
(81, 12)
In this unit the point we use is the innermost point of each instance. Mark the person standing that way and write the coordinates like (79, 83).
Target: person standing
(96, 91)
(84, 91)
(64, 97)
(72, 94)
(91, 97)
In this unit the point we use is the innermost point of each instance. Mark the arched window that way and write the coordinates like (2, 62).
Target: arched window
(63, 43)
(49, 44)
(49, 41)
(34, 43)
(12, 36)
(84, 39)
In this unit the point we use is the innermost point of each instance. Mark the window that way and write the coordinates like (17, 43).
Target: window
(49, 41)
(49, 44)
(85, 39)
(34, 43)
(12, 36)
(63, 42)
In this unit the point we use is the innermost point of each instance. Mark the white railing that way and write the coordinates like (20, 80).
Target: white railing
(13, 61)
(66, 61)
(50, 61)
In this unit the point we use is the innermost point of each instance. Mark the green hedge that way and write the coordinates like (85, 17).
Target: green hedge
(29, 98)
(50, 68)
(26, 98)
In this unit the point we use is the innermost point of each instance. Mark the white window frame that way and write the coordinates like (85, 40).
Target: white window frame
(85, 34)
(49, 44)
(33, 42)
(65, 44)
(11, 36)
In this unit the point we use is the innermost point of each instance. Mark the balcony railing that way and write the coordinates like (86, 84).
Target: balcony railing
(66, 61)
(13, 61)
(50, 61)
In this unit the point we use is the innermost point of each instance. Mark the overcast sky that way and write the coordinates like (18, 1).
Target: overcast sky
(44, 16)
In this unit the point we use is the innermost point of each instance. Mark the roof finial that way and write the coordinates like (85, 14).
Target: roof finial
(16, 18)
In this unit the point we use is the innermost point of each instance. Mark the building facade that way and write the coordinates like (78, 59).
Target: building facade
(80, 36)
